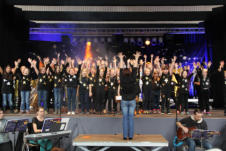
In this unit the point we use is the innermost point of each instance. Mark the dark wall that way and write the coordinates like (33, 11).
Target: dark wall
(14, 32)
(216, 33)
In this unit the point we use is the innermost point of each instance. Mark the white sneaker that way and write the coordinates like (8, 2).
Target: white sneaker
(68, 113)
(73, 113)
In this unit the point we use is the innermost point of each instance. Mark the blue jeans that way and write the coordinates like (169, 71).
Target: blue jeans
(7, 97)
(57, 98)
(155, 99)
(192, 144)
(42, 98)
(84, 100)
(128, 108)
(25, 100)
(71, 96)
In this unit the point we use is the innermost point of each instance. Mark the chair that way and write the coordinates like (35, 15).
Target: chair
(27, 146)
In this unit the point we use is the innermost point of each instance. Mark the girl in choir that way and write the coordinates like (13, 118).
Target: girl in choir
(183, 81)
(43, 81)
(72, 80)
(7, 85)
(99, 85)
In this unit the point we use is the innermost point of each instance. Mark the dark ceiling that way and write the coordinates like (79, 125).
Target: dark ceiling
(118, 13)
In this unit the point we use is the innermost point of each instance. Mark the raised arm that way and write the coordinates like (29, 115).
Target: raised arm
(79, 66)
(34, 66)
(121, 56)
(16, 63)
(1, 71)
(172, 65)
(137, 55)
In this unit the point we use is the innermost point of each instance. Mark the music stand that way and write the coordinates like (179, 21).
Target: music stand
(55, 124)
(16, 126)
(200, 134)
(49, 123)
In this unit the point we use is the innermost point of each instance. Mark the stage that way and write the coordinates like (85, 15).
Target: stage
(154, 124)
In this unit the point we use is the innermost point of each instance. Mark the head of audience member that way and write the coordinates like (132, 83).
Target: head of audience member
(197, 114)
(41, 112)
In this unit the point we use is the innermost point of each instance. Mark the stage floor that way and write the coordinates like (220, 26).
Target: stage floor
(214, 114)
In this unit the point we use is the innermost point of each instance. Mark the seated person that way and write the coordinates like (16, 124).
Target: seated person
(37, 123)
(197, 121)
(5, 143)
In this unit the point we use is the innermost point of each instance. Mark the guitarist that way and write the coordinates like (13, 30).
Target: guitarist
(195, 120)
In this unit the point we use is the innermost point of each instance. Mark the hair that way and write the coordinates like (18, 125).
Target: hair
(1, 110)
(126, 72)
(197, 111)
(39, 108)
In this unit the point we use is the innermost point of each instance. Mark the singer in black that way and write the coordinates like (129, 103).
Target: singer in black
(99, 85)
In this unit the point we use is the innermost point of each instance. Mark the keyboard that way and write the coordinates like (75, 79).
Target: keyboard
(52, 135)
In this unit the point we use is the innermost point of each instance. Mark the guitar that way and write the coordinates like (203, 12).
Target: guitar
(193, 132)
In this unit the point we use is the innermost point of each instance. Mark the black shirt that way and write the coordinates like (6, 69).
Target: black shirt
(43, 81)
(72, 81)
(57, 80)
(147, 80)
(100, 81)
(165, 82)
(190, 122)
(38, 123)
(128, 85)
(112, 84)
(84, 84)
(7, 83)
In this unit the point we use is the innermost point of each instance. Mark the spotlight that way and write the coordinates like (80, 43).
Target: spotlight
(95, 40)
(147, 42)
(102, 39)
(88, 43)
(132, 40)
(109, 39)
(126, 40)
(154, 39)
(160, 40)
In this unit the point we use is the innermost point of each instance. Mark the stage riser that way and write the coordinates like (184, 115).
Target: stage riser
(111, 125)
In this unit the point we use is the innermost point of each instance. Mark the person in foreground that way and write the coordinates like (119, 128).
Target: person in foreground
(128, 92)
(37, 123)
(5, 143)
(195, 120)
